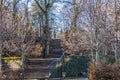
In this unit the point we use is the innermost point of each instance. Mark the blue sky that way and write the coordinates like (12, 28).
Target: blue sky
(57, 9)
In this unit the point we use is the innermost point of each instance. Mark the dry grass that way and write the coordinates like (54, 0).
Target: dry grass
(104, 71)
(75, 41)
(33, 50)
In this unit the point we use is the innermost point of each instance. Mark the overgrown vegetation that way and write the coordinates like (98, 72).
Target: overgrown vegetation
(104, 71)
(88, 27)
(74, 66)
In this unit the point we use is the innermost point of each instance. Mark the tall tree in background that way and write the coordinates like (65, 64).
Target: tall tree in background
(96, 26)
(76, 38)
(45, 8)
(116, 29)
(37, 19)
(1, 36)
(14, 13)
(75, 14)
(78, 7)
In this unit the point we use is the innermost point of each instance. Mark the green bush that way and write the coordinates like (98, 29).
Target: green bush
(57, 72)
(73, 68)
(110, 58)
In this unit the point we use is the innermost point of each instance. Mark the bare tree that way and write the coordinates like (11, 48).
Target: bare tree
(0, 37)
(115, 31)
(46, 29)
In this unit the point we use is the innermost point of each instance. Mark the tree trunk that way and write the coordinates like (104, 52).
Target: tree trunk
(75, 14)
(1, 37)
(47, 33)
(46, 30)
(116, 31)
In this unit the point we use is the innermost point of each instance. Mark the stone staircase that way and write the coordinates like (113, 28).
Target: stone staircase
(38, 68)
(56, 50)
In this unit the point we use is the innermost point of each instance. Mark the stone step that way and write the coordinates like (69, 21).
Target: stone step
(37, 63)
(41, 59)
(55, 40)
(36, 70)
(57, 50)
(56, 47)
(37, 75)
(38, 67)
(55, 43)
(55, 55)
(36, 78)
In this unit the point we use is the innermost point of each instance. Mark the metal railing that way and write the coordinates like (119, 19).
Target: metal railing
(57, 61)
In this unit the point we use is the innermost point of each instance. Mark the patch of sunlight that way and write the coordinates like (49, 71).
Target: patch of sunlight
(58, 65)
(14, 64)
(67, 59)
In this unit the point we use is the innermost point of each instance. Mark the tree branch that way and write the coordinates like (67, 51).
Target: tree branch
(39, 6)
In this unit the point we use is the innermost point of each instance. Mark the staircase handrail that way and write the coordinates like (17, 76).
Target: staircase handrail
(56, 61)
